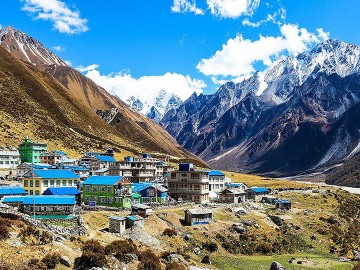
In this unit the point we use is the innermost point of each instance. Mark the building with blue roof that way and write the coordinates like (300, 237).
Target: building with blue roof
(13, 200)
(216, 181)
(256, 193)
(107, 190)
(64, 191)
(48, 178)
(282, 204)
(11, 191)
(149, 192)
(95, 161)
(48, 205)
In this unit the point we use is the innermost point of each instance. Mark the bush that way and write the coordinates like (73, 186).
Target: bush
(4, 232)
(51, 260)
(149, 261)
(170, 232)
(357, 267)
(93, 255)
(119, 248)
(175, 266)
(211, 247)
(31, 235)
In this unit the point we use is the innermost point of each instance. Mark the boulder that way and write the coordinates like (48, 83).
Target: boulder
(248, 222)
(277, 266)
(277, 220)
(206, 260)
(187, 237)
(64, 260)
(197, 250)
(356, 255)
(239, 228)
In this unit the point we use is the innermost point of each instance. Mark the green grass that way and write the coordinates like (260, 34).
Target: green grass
(310, 261)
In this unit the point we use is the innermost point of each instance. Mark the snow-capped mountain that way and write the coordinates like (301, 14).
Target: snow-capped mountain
(332, 56)
(27, 48)
(157, 107)
(280, 121)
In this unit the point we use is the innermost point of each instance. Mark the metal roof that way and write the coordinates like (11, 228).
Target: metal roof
(137, 187)
(141, 206)
(282, 201)
(104, 180)
(13, 199)
(12, 190)
(199, 211)
(117, 218)
(61, 191)
(60, 174)
(49, 200)
(259, 189)
(216, 173)
(134, 218)
(105, 158)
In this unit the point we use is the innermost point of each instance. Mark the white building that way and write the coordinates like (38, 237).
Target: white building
(217, 181)
(9, 158)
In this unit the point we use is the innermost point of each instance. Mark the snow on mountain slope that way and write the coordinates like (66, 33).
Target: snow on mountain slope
(156, 108)
(27, 48)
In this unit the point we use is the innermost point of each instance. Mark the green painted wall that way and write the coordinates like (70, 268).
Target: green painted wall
(30, 151)
(108, 192)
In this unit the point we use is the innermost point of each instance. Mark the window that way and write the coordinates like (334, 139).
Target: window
(118, 199)
(37, 183)
(102, 189)
(87, 198)
(52, 183)
(31, 183)
(110, 200)
(183, 175)
(26, 183)
(31, 192)
(46, 183)
(87, 188)
(109, 189)
(64, 183)
(95, 189)
(58, 183)
(37, 192)
(102, 199)
(194, 175)
(94, 198)
(69, 183)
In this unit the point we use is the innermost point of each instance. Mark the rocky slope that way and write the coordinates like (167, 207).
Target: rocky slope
(132, 130)
(281, 121)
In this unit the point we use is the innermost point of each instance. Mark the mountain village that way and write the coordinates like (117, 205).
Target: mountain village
(229, 180)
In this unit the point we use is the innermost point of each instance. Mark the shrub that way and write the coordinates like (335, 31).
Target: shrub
(206, 260)
(4, 232)
(50, 260)
(211, 247)
(119, 248)
(93, 255)
(170, 232)
(31, 235)
(175, 266)
(357, 267)
(149, 261)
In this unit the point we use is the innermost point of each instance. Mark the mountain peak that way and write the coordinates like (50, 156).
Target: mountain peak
(27, 48)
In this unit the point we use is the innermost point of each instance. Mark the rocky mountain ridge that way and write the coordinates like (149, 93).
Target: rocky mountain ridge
(281, 121)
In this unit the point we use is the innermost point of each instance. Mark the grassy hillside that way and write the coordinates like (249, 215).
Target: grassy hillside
(347, 174)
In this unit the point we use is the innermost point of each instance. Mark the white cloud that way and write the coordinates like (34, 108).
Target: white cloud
(68, 63)
(322, 34)
(269, 18)
(59, 48)
(146, 88)
(185, 6)
(63, 18)
(232, 8)
(238, 56)
(88, 68)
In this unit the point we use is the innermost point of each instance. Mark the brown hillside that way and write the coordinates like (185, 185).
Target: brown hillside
(35, 104)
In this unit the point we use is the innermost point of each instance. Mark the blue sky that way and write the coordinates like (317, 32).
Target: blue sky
(140, 46)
